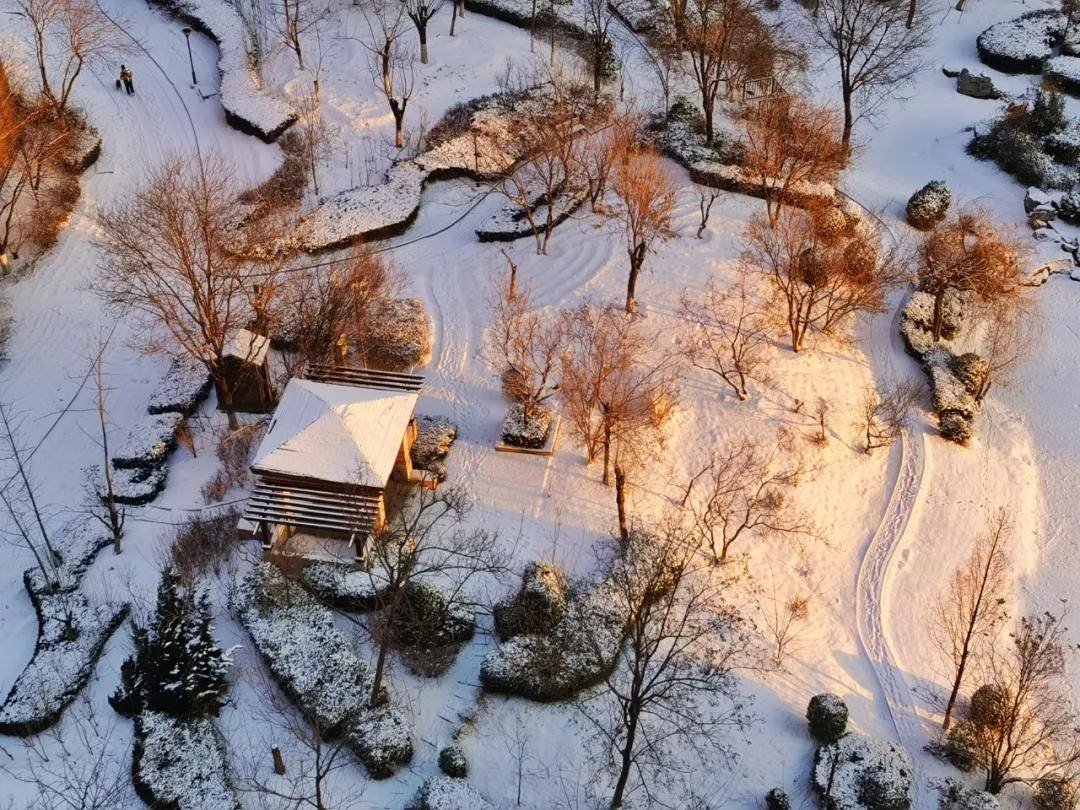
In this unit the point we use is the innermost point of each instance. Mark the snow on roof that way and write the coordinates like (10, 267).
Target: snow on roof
(247, 346)
(337, 433)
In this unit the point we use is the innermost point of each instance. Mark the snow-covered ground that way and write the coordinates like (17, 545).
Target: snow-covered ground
(893, 524)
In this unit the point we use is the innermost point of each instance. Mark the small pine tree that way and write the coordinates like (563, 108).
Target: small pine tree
(1047, 114)
(177, 667)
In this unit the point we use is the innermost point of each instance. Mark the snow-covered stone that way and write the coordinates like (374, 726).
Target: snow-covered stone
(1035, 198)
(976, 85)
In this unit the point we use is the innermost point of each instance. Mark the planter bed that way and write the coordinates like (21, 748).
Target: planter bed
(184, 386)
(509, 223)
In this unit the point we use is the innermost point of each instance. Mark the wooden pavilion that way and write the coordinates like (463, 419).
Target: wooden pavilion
(337, 439)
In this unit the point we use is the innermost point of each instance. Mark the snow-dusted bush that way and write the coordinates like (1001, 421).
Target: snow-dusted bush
(1064, 146)
(1069, 208)
(537, 606)
(777, 799)
(184, 386)
(956, 427)
(929, 205)
(971, 371)
(532, 432)
(1056, 793)
(1063, 72)
(434, 437)
(71, 636)
(1015, 143)
(132, 486)
(1021, 45)
(958, 746)
(452, 761)
(447, 793)
(149, 442)
(830, 224)
(579, 651)
(343, 586)
(398, 335)
(987, 705)
(180, 764)
(248, 106)
(7, 323)
(317, 667)
(860, 773)
(427, 618)
(955, 795)
(827, 717)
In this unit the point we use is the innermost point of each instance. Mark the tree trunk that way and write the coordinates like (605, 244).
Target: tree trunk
(631, 282)
(422, 31)
(607, 450)
(911, 13)
(380, 668)
(453, 17)
(707, 108)
(939, 314)
(849, 119)
(620, 503)
(626, 761)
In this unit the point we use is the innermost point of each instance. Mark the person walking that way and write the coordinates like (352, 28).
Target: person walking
(127, 77)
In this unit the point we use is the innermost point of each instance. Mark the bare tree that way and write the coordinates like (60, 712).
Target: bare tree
(597, 46)
(728, 337)
(784, 615)
(421, 13)
(1035, 734)
(972, 607)
(525, 346)
(457, 11)
(84, 37)
(886, 411)
(316, 135)
(706, 197)
(819, 284)
(744, 491)
(1010, 335)
(725, 40)
(648, 195)
(967, 254)
(673, 687)
(424, 538)
(791, 143)
(10, 425)
(618, 396)
(875, 51)
(174, 254)
(113, 519)
(295, 19)
(391, 62)
(322, 311)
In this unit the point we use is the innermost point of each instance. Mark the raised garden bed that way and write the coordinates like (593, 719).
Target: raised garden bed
(184, 386)
(510, 222)
(536, 437)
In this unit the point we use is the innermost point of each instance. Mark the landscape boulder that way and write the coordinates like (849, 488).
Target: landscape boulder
(976, 85)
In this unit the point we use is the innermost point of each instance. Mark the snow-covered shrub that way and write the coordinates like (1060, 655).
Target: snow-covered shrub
(827, 717)
(1069, 208)
(955, 795)
(149, 442)
(434, 437)
(1063, 72)
(1013, 143)
(398, 335)
(446, 793)
(343, 586)
(957, 748)
(132, 486)
(452, 761)
(777, 799)
(929, 205)
(987, 705)
(971, 370)
(71, 636)
(532, 432)
(1021, 45)
(1047, 114)
(1056, 793)
(1064, 147)
(316, 666)
(830, 224)
(184, 386)
(427, 618)
(7, 322)
(180, 764)
(956, 427)
(683, 108)
(859, 773)
(581, 649)
(537, 606)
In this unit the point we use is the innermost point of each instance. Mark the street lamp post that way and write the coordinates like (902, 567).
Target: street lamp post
(191, 60)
